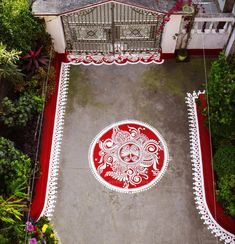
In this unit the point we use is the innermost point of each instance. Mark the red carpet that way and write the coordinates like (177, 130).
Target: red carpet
(45, 149)
(225, 221)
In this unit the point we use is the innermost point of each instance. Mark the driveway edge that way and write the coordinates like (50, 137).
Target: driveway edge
(51, 190)
(198, 173)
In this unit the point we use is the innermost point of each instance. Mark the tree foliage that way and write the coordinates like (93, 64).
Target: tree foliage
(18, 112)
(19, 28)
(225, 193)
(14, 167)
(8, 68)
(224, 166)
(221, 93)
(224, 160)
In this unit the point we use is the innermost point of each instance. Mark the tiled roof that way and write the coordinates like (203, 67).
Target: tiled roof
(57, 7)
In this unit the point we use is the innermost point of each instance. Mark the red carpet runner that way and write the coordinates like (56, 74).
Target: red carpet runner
(45, 149)
(225, 221)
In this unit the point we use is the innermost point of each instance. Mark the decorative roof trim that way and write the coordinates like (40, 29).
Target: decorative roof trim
(198, 177)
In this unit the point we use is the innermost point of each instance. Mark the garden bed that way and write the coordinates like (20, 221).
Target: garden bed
(211, 211)
(39, 199)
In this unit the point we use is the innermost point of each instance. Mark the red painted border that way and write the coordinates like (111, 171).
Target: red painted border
(46, 141)
(208, 52)
(225, 221)
(194, 52)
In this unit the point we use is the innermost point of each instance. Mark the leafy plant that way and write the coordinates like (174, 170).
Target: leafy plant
(224, 165)
(36, 85)
(14, 168)
(12, 229)
(224, 160)
(19, 28)
(225, 193)
(20, 111)
(8, 68)
(11, 209)
(34, 59)
(221, 94)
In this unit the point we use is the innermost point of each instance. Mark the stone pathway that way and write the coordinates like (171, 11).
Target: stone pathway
(86, 211)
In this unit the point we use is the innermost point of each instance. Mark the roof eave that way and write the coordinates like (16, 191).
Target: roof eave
(98, 4)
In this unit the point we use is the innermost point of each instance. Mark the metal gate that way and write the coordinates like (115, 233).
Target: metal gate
(111, 28)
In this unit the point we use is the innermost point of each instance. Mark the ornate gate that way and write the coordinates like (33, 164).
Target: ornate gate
(111, 28)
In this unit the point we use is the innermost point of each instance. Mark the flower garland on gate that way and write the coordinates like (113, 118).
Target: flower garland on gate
(180, 5)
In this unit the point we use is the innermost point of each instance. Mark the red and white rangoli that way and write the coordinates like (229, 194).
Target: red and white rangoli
(128, 156)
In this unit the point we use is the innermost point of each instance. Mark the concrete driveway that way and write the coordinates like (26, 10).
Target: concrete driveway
(86, 211)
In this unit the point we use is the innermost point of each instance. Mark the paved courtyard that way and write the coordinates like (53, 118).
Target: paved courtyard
(89, 213)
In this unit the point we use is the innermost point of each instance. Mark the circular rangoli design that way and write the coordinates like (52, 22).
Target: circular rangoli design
(128, 156)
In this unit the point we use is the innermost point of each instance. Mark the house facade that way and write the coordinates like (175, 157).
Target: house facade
(133, 26)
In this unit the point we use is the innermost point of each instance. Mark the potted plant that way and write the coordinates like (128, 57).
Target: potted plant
(182, 52)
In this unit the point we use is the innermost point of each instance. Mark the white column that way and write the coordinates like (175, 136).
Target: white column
(55, 29)
(171, 28)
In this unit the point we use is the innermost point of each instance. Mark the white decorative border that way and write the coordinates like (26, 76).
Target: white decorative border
(119, 58)
(51, 190)
(198, 178)
(124, 190)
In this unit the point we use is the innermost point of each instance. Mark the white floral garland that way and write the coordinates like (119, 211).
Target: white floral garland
(51, 191)
(198, 179)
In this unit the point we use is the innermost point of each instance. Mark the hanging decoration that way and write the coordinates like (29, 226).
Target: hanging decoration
(180, 5)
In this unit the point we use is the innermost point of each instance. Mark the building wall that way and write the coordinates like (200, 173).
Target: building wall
(210, 39)
(171, 28)
(55, 28)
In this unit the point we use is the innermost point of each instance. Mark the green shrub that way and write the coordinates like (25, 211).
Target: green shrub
(8, 67)
(224, 165)
(225, 193)
(14, 167)
(224, 161)
(221, 94)
(20, 111)
(19, 28)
